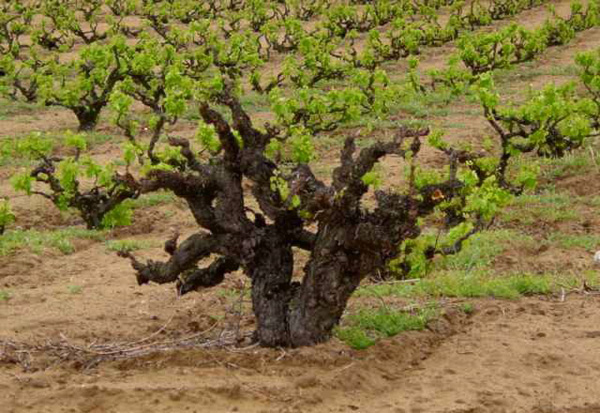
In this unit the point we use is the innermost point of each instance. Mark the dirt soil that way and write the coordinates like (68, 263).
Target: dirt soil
(535, 355)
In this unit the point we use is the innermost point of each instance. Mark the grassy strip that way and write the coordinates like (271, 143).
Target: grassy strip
(36, 241)
(130, 245)
(478, 284)
(153, 199)
(364, 328)
(480, 250)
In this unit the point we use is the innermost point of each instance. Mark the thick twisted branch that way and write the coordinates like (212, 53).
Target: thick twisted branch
(184, 258)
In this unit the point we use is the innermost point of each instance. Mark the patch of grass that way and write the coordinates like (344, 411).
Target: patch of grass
(422, 110)
(574, 163)
(470, 285)
(389, 322)
(36, 241)
(153, 199)
(5, 295)
(425, 105)
(169, 214)
(10, 108)
(234, 294)
(454, 125)
(525, 73)
(589, 242)
(75, 289)
(368, 325)
(547, 206)
(355, 337)
(130, 245)
(256, 102)
(481, 250)
(97, 138)
(592, 201)
(467, 308)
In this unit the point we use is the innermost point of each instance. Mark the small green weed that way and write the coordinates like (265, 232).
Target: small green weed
(355, 337)
(5, 295)
(467, 308)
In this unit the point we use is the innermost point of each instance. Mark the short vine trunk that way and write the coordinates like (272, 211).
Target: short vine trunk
(350, 243)
(88, 118)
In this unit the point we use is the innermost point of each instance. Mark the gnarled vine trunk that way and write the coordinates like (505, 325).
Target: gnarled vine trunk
(350, 242)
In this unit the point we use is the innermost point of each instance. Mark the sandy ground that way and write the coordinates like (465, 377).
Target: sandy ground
(535, 355)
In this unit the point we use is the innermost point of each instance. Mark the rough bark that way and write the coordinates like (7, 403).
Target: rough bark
(87, 118)
(349, 243)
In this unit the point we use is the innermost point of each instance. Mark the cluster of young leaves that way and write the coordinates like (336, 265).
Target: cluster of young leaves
(39, 64)
(484, 52)
(6, 215)
(472, 209)
(417, 27)
(97, 191)
(342, 19)
(550, 123)
(589, 65)
(511, 45)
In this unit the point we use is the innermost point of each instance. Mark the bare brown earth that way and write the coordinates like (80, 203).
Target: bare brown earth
(536, 355)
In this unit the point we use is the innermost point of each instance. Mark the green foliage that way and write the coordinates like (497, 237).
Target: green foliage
(372, 178)
(510, 45)
(355, 337)
(22, 182)
(487, 199)
(467, 308)
(589, 65)
(120, 215)
(368, 325)
(75, 289)
(5, 295)
(63, 180)
(485, 52)
(6, 215)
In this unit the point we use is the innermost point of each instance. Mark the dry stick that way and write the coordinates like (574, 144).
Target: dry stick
(65, 350)
(134, 349)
